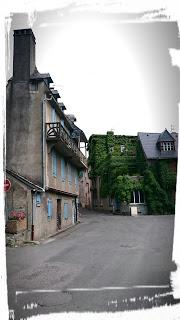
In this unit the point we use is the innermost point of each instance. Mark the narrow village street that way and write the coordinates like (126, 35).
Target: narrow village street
(105, 263)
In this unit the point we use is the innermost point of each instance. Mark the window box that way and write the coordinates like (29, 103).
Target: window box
(15, 226)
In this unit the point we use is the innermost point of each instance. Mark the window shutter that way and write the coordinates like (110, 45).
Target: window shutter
(38, 199)
(69, 173)
(62, 123)
(49, 208)
(54, 163)
(63, 169)
(76, 179)
(65, 211)
(53, 115)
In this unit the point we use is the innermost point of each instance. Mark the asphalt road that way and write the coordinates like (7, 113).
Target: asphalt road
(105, 263)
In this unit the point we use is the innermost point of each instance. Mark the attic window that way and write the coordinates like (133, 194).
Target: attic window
(33, 86)
(167, 146)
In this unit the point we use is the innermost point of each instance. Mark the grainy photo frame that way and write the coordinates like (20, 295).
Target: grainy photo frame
(90, 120)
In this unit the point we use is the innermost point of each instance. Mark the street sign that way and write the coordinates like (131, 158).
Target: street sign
(7, 185)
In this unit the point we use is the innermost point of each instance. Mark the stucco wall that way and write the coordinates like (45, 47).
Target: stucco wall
(45, 226)
(16, 197)
(24, 130)
(57, 182)
(84, 190)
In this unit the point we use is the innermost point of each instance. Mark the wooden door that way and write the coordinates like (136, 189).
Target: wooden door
(58, 214)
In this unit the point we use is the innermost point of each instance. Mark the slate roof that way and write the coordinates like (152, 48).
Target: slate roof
(62, 106)
(36, 75)
(78, 130)
(55, 93)
(149, 144)
(24, 180)
(165, 136)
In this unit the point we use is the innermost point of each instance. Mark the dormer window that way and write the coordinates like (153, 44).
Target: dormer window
(167, 146)
(166, 141)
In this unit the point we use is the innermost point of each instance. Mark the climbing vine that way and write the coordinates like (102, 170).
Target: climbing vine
(116, 159)
(157, 198)
(124, 186)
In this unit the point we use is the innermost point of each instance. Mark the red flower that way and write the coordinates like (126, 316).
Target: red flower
(16, 215)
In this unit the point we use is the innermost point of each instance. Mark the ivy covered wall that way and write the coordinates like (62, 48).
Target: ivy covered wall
(117, 159)
(160, 187)
(110, 157)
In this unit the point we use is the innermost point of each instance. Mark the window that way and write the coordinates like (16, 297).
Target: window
(122, 148)
(167, 146)
(53, 115)
(69, 174)
(33, 86)
(38, 199)
(76, 178)
(66, 211)
(49, 209)
(54, 163)
(137, 196)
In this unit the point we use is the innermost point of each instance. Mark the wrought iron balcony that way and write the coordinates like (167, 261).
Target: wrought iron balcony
(55, 132)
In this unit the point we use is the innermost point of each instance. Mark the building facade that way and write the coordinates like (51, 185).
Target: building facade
(133, 174)
(112, 156)
(85, 201)
(157, 156)
(43, 157)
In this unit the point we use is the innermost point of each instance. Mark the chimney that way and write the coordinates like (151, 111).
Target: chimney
(24, 54)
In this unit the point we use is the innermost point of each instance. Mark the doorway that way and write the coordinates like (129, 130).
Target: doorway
(74, 211)
(58, 214)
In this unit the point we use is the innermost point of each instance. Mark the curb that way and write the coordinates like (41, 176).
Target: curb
(60, 231)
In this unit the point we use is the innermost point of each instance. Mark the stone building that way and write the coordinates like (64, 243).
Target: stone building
(43, 157)
(132, 160)
(158, 152)
(85, 201)
(159, 147)
(109, 157)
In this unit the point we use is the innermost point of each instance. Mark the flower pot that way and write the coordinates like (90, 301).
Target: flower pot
(15, 226)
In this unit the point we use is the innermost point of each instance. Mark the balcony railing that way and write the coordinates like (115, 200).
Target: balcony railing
(56, 132)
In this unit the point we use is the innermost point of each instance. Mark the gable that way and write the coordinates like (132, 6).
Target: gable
(165, 136)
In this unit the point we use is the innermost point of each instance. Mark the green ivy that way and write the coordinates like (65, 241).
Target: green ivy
(124, 186)
(115, 169)
(156, 197)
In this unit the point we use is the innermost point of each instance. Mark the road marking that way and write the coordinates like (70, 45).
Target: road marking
(117, 288)
(92, 289)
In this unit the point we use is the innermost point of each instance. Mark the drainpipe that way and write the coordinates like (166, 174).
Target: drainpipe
(43, 139)
(76, 210)
(32, 221)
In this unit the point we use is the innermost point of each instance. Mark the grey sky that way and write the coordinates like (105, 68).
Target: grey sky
(111, 73)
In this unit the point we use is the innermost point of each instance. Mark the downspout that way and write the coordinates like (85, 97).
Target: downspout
(76, 210)
(43, 140)
(32, 221)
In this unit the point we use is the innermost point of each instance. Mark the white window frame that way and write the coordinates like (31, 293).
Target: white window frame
(139, 197)
(122, 148)
(167, 146)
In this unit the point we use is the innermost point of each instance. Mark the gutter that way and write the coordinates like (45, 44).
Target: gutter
(65, 193)
(28, 183)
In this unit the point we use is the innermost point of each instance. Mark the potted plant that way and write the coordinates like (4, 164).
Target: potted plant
(16, 222)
